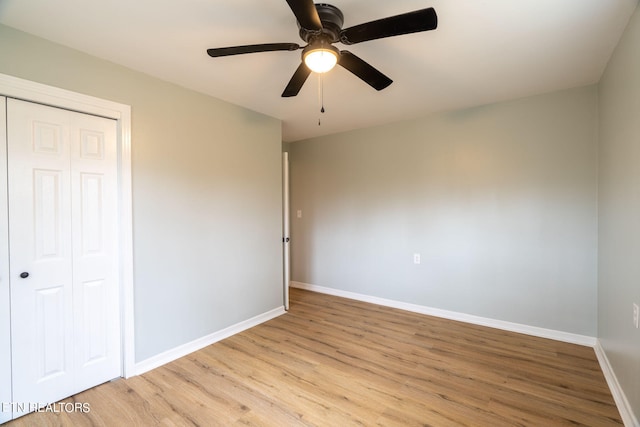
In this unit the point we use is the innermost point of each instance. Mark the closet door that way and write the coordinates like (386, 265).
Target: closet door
(65, 323)
(5, 331)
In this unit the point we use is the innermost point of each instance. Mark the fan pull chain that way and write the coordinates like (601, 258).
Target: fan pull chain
(321, 94)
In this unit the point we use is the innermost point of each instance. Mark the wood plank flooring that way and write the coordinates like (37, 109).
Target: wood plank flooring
(337, 362)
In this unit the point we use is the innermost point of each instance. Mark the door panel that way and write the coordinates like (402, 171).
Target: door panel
(91, 210)
(63, 232)
(48, 203)
(94, 326)
(50, 324)
(95, 269)
(40, 245)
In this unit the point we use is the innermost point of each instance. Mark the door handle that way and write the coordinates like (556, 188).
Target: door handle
(24, 275)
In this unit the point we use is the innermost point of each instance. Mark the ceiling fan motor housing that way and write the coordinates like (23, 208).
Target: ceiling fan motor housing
(332, 20)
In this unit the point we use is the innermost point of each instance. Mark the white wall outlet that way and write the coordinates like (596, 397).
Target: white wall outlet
(299, 213)
(416, 258)
(636, 315)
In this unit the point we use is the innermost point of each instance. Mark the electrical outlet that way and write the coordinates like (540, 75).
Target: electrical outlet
(636, 315)
(416, 258)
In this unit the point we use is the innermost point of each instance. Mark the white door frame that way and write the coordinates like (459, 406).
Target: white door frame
(5, 311)
(286, 241)
(14, 87)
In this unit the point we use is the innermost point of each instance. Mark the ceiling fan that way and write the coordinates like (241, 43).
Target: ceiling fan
(321, 26)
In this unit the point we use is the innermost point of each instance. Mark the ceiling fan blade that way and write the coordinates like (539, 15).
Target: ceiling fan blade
(306, 14)
(363, 70)
(411, 22)
(296, 82)
(251, 48)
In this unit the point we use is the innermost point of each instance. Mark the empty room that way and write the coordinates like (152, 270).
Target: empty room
(282, 213)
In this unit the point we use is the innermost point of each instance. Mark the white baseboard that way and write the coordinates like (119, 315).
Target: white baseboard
(626, 412)
(200, 343)
(453, 315)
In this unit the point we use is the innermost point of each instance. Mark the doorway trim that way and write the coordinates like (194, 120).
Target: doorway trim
(14, 87)
(286, 239)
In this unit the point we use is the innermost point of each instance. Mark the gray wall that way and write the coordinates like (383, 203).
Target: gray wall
(619, 211)
(500, 201)
(207, 198)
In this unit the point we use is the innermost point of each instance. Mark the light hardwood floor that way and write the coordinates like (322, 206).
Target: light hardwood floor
(336, 362)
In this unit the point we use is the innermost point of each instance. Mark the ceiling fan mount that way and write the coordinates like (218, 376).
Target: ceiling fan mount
(320, 26)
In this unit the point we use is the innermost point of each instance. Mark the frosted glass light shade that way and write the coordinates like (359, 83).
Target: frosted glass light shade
(320, 60)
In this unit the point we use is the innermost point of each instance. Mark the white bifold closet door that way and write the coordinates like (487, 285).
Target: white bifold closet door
(63, 244)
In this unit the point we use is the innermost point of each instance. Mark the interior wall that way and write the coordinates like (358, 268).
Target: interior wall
(619, 211)
(500, 202)
(207, 198)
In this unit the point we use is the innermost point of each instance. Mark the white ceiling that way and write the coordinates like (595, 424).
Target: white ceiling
(483, 51)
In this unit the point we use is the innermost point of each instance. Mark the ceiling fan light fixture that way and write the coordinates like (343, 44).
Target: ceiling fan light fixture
(320, 25)
(320, 57)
